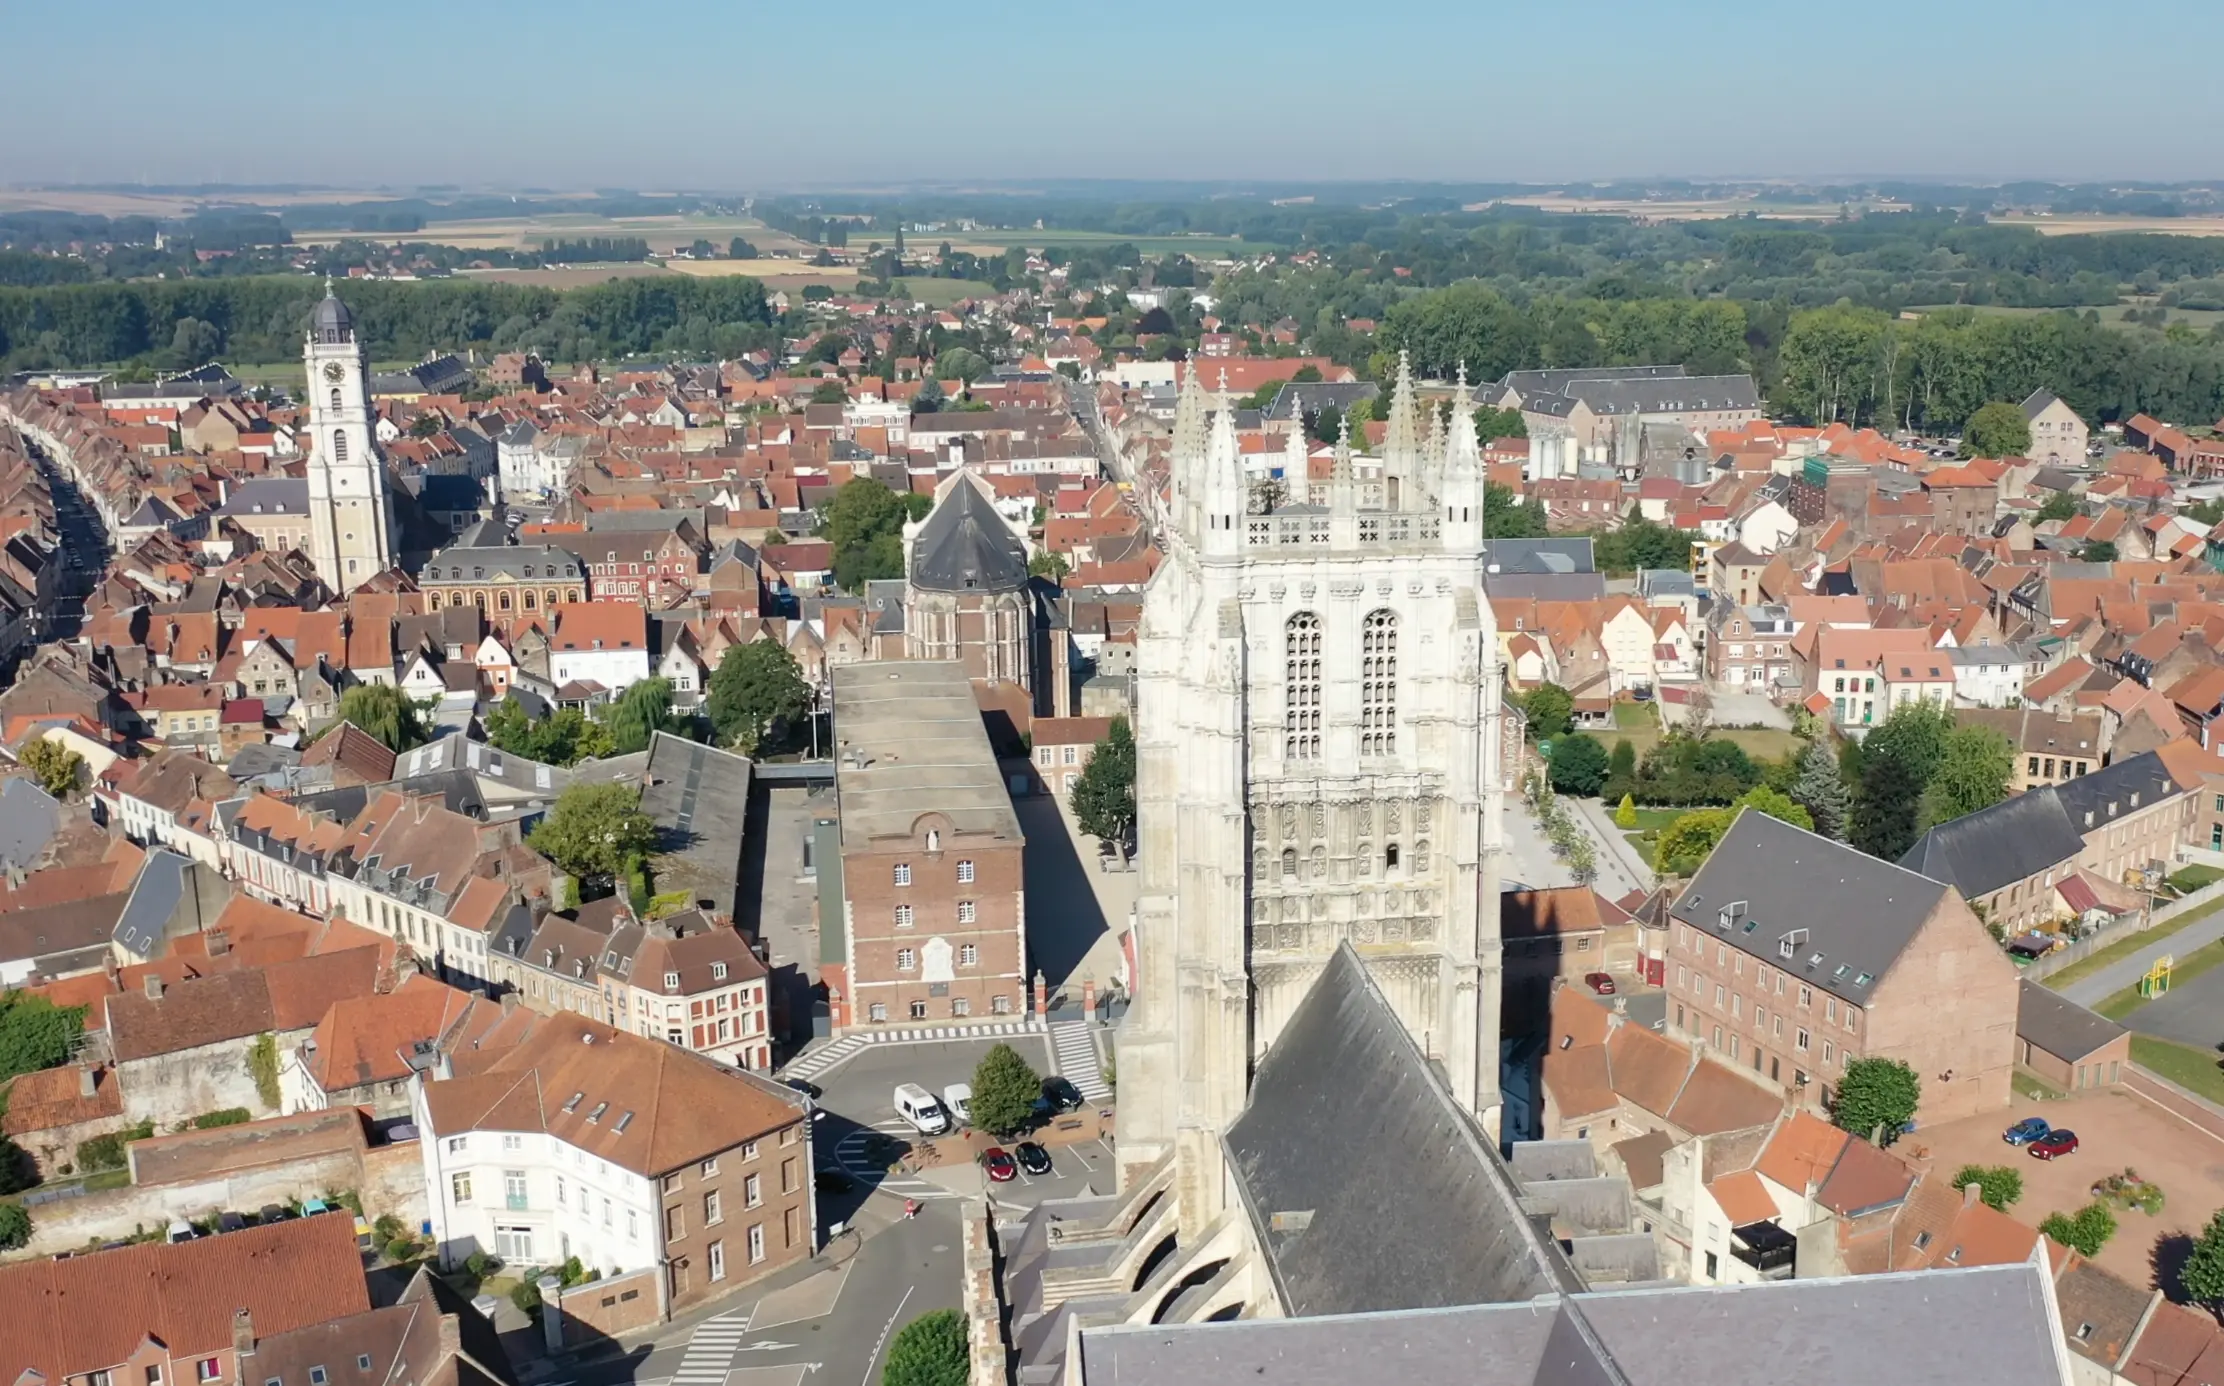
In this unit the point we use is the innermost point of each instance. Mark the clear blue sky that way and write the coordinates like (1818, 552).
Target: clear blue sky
(742, 94)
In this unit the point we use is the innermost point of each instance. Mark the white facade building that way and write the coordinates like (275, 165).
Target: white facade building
(1318, 721)
(351, 522)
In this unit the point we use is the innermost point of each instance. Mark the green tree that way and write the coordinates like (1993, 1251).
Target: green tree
(564, 737)
(1549, 708)
(1821, 790)
(2098, 551)
(756, 688)
(928, 398)
(386, 713)
(961, 363)
(643, 710)
(56, 767)
(931, 1350)
(2086, 1230)
(1327, 423)
(1048, 563)
(2001, 1185)
(15, 1226)
(1876, 1093)
(1885, 813)
(1004, 1092)
(1505, 517)
(864, 523)
(594, 829)
(1776, 804)
(830, 392)
(1622, 765)
(1972, 772)
(1578, 765)
(2059, 506)
(1685, 843)
(1492, 424)
(1104, 795)
(2203, 1272)
(1997, 430)
(35, 1033)
(262, 1066)
(1625, 817)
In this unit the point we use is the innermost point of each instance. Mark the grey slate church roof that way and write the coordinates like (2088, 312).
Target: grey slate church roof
(1403, 1203)
(1844, 916)
(965, 546)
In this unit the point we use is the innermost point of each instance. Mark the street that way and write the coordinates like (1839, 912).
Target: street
(835, 1314)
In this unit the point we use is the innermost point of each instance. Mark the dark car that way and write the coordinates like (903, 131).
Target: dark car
(806, 1087)
(230, 1222)
(2026, 1131)
(833, 1181)
(273, 1212)
(1599, 982)
(1033, 1158)
(999, 1164)
(1061, 1094)
(2054, 1143)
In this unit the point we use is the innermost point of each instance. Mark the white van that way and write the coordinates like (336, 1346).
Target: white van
(957, 1099)
(917, 1106)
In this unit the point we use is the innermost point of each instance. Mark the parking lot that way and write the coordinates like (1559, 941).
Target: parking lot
(2115, 1129)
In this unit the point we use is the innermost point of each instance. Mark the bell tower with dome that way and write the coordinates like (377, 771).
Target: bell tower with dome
(350, 516)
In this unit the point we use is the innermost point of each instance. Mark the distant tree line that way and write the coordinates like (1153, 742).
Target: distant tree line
(255, 320)
(596, 250)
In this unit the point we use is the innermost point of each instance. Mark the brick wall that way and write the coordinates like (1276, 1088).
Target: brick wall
(782, 1216)
(934, 896)
(606, 1308)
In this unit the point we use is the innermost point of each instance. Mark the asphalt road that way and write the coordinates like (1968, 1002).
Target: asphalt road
(2191, 1013)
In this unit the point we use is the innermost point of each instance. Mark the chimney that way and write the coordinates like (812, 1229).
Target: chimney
(243, 1333)
(1970, 1193)
(444, 1067)
(219, 943)
(154, 986)
(85, 1081)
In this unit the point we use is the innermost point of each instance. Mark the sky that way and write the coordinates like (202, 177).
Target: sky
(733, 96)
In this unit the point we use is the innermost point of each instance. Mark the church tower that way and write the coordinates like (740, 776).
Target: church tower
(1317, 729)
(350, 517)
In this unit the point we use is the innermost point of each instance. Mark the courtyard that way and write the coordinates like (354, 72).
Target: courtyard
(2116, 1128)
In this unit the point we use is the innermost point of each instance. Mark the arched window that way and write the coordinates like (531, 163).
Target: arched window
(505, 599)
(335, 398)
(339, 446)
(1289, 863)
(531, 599)
(1378, 684)
(1301, 647)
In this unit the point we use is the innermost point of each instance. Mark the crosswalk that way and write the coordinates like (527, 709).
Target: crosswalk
(850, 1152)
(710, 1353)
(830, 1056)
(1073, 1051)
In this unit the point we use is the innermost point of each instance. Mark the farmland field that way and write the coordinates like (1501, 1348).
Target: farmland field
(990, 242)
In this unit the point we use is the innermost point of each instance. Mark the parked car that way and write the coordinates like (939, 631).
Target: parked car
(1033, 1158)
(957, 1100)
(2054, 1143)
(998, 1162)
(918, 1106)
(2026, 1131)
(230, 1222)
(180, 1231)
(806, 1087)
(273, 1212)
(1060, 1095)
(1599, 982)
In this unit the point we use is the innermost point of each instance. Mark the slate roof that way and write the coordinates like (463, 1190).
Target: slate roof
(2020, 837)
(271, 495)
(1408, 1205)
(2049, 1021)
(1845, 915)
(1527, 557)
(29, 817)
(964, 546)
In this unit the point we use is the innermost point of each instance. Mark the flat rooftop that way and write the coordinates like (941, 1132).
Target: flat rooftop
(909, 741)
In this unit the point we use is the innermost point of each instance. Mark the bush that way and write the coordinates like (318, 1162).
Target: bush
(229, 1116)
(107, 1152)
(389, 1228)
(401, 1249)
(2001, 1184)
(2086, 1230)
(15, 1226)
(1578, 765)
(526, 1295)
(931, 1350)
(479, 1264)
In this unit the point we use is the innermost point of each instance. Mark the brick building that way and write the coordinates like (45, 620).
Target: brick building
(1794, 955)
(583, 1140)
(934, 923)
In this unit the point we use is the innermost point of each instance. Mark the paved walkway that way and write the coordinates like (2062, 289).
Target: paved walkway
(1621, 869)
(2097, 987)
(1073, 1052)
(813, 1062)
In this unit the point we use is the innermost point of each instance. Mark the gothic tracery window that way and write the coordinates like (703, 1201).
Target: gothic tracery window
(1378, 684)
(1301, 639)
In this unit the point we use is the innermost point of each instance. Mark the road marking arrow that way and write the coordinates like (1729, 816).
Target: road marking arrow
(766, 1347)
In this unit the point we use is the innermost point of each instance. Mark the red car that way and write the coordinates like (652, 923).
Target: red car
(2053, 1143)
(1599, 982)
(1002, 1169)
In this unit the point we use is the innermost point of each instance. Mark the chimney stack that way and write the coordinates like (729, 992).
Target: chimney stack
(243, 1333)
(1970, 1193)
(85, 1081)
(154, 986)
(219, 943)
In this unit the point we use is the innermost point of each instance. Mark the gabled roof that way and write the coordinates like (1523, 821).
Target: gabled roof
(2054, 1024)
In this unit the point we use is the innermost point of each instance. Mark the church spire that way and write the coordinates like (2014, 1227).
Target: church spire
(1221, 500)
(1428, 474)
(1343, 493)
(1297, 463)
(1186, 454)
(1401, 439)
(1462, 503)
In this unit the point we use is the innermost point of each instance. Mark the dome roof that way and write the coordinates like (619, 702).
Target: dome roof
(331, 315)
(965, 546)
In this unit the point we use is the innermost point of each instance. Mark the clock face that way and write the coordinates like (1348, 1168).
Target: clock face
(334, 372)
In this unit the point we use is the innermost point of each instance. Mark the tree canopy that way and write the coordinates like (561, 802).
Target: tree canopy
(35, 1033)
(931, 1350)
(1873, 1094)
(756, 689)
(644, 709)
(564, 737)
(2202, 1275)
(595, 830)
(387, 713)
(1104, 795)
(864, 523)
(1996, 430)
(1005, 1088)
(1821, 790)
(1548, 707)
(1578, 765)
(1974, 768)
(56, 767)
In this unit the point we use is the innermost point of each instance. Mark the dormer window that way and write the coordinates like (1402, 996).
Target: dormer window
(671, 981)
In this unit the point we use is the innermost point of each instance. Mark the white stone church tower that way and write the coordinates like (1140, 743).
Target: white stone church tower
(350, 517)
(1317, 731)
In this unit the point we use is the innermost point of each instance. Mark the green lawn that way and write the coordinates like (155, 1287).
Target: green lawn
(2031, 1085)
(2195, 1070)
(2188, 879)
(2185, 969)
(2125, 947)
(1636, 717)
(941, 293)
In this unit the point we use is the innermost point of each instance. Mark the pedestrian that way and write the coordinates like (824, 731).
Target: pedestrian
(911, 1208)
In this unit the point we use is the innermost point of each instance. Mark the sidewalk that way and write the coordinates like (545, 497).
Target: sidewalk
(1618, 860)
(2097, 987)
